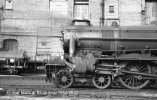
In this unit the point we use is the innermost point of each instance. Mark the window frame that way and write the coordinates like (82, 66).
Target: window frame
(79, 2)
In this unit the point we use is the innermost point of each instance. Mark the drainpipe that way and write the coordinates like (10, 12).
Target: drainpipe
(1, 13)
(103, 13)
(0, 19)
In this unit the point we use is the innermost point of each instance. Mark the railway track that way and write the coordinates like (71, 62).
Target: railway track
(77, 93)
(35, 87)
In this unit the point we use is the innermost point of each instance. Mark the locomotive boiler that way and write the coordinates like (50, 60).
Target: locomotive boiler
(101, 55)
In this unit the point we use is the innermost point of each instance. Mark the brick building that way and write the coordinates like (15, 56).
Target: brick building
(35, 25)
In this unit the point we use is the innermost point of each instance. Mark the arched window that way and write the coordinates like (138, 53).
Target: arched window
(10, 44)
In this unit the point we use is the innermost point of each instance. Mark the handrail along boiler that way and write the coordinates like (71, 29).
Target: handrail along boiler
(101, 55)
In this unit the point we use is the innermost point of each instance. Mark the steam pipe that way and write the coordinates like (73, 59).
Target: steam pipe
(72, 46)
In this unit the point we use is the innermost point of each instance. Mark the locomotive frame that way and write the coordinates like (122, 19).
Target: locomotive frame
(128, 58)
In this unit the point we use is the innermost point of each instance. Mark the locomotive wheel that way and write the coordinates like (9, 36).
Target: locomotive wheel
(132, 81)
(101, 81)
(64, 79)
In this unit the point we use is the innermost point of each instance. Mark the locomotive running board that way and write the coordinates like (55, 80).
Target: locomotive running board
(138, 73)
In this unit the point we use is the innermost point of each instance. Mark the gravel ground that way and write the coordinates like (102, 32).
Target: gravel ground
(23, 80)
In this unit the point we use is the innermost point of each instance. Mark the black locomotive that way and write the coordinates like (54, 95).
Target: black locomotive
(101, 55)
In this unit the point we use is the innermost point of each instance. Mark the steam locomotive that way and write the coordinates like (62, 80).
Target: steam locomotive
(101, 55)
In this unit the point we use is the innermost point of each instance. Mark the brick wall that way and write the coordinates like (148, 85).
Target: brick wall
(2, 2)
(32, 5)
(126, 12)
(130, 12)
(27, 21)
(95, 12)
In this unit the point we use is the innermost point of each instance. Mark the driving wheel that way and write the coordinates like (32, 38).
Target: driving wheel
(64, 79)
(135, 81)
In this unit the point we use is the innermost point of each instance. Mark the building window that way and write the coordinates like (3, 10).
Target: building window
(10, 44)
(81, 9)
(111, 9)
(43, 43)
(8, 4)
